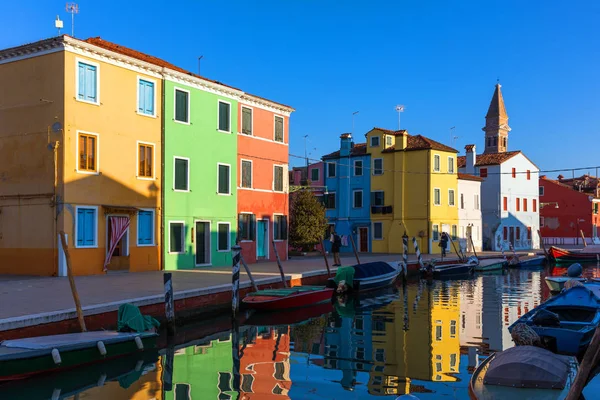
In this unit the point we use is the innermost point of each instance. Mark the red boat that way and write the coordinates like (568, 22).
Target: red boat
(565, 256)
(281, 299)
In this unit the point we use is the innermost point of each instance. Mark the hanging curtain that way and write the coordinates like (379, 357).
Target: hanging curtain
(118, 227)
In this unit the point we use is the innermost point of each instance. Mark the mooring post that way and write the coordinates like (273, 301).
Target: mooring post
(169, 303)
(78, 308)
(418, 252)
(325, 257)
(279, 264)
(473, 246)
(235, 353)
(543, 245)
(583, 238)
(167, 375)
(249, 273)
(235, 280)
(354, 248)
(405, 253)
(586, 366)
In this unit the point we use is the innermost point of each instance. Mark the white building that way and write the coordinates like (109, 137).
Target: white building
(469, 211)
(509, 190)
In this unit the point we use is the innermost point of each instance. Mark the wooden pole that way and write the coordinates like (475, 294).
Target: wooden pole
(583, 238)
(65, 247)
(454, 247)
(279, 265)
(586, 366)
(249, 273)
(235, 353)
(169, 303)
(473, 246)
(325, 257)
(405, 253)
(354, 248)
(543, 245)
(418, 252)
(235, 280)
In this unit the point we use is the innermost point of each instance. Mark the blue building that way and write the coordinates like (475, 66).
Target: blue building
(347, 198)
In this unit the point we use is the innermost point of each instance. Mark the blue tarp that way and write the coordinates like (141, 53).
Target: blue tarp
(368, 270)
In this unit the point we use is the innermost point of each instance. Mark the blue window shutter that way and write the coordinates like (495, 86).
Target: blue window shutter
(80, 226)
(89, 227)
(81, 91)
(90, 83)
(141, 96)
(145, 224)
(149, 98)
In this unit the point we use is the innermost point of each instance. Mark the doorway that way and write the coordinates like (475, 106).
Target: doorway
(363, 240)
(202, 242)
(119, 260)
(262, 239)
(446, 228)
(469, 237)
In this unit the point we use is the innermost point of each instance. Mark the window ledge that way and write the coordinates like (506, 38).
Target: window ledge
(146, 245)
(94, 103)
(228, 132)
(145, 178)
(87, 247)
(146, 115)
(224, 194)
(181, 122)
(88, 172)
(170, 253)
(246, 241)
(180, 190)
(223, 251)
(203, 265)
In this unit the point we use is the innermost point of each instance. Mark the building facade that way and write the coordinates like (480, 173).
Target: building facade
(263, 201)
(509, 190)
(567, 210)
(348, 200)
(414, 188)
(469, 212)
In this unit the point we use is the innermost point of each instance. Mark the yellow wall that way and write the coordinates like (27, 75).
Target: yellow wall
(445, 350)
(31, 100)
(444, 213)
(119, 127)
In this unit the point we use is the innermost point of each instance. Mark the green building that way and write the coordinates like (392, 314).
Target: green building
(200, 175)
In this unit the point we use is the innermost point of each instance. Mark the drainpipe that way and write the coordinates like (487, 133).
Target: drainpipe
(429, 202)
(162, 175)
(55, 204)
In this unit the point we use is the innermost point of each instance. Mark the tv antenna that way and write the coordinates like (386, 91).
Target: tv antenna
(72, 8)
(399, 109)
(58, 24)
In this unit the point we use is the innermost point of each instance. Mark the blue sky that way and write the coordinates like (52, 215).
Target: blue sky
(328, 59)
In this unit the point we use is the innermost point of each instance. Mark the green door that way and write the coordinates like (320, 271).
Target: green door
(261, 238)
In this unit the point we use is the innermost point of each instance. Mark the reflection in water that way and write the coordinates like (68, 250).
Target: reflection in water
(423, 338)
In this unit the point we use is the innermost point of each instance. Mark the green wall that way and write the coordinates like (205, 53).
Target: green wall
(205, 146)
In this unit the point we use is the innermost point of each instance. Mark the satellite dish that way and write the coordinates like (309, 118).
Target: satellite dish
(56, 127)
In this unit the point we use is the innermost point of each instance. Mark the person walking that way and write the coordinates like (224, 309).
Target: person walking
(336, 243)
(444, 243)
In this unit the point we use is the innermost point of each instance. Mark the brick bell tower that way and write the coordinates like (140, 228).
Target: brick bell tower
(496, 124)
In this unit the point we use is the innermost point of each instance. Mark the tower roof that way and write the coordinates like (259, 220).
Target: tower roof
(497, 104)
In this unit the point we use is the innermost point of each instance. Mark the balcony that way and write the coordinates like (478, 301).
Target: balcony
(382, 210)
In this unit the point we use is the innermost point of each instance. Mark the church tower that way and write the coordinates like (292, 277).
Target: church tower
(496, 124)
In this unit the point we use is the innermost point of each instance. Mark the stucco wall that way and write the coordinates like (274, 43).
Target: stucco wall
(471, 213)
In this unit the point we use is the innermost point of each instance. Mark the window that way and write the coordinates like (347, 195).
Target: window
(246, 226)
(453, 333)
(246, 121)
(357, 198)
(377, 230)
(388, 140)
(278, 129)
(182, 106)
(145, 97)
(182, 391)
(378, 198)
(534, 205)
(176, 237)
(280, 227)
(314, 174)
(331, 170)
(450, 165)
(476, 202)
(541, 191)
(518, 203)
(528, 233)
(278, 178)
(462, 201)
(518, 234)
(378, 166)
(87, 227)
(223, 186)
(358, 168)
(528, 175)
(505, 233)
(145, 228)
(181, 174)
(145, 160)
(87, 82)
(330, 200)
(437, 197)
(224, 116)
(436, 232)
(223, 236)
(514, 172)
(87, 149)
(505, 204)
(454, 232)
(374, 141)
(483, 172)
(436, 163)
(451, 197)
(595, 208)
(525, 205)
(246, 174)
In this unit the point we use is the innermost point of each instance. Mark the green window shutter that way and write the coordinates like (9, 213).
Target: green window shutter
(246, 121)
(181, 174)
(246, 174)
(223, 237)
(176, 233)
(181, 106)
(278, 129)
(223, 179)
(224, 116)
(284, 228)
(252, 235)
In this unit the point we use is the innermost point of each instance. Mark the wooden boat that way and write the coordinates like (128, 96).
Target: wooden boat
(367, 276)
(523, 372)
(22, 358)
(491, 265)
(280, 317)
(450, 270)
(557, 283)
(590, 254)
(282, 299)
(533, 262)
(566, 322)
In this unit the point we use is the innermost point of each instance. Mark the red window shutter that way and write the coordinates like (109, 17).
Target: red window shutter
(525, 205)
(518, 204)
(528, 175)
(514, 172)
(529, 232)
(483, 172)
(506, 204)
(534, 205)
(505, 231)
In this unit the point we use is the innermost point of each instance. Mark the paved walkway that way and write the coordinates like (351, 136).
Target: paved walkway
(25, 299)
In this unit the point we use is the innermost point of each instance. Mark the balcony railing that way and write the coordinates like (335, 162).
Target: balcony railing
(382, 209)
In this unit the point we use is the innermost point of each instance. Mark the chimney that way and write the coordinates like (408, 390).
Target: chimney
(345, 144)
(471, 159)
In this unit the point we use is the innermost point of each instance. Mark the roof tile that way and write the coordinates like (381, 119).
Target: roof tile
(359, 149)
(488, 158)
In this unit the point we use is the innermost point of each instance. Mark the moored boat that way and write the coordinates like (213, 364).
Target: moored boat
(367, 276)
(450, 270)
(557, 283)
(281, 299)
(533, 262)
(523, 372)
(589, 254)
(491, 265)
(566, 322)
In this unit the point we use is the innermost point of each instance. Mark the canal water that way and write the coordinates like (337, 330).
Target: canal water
(424, 338)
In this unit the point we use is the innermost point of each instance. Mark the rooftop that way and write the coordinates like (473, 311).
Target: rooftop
(488, 158)
(359, 149)
(468, 177)
(420, 142)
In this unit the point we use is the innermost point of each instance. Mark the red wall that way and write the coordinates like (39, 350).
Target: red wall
(264, 153)
(572, 205)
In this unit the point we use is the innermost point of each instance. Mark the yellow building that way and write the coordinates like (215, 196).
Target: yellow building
(80, 152)
(445, 338)
(414, 189)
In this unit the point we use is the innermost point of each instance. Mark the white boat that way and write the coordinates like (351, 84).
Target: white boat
(557, 283)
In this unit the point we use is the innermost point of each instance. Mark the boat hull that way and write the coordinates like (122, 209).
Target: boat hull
(493, 266)
(567, 256)
(531, 263)
(557, 283)
(300, 299)
(451, 270)
(371, 282)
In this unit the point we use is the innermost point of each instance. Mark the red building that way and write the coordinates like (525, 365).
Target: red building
(568, 206)
(263, 206)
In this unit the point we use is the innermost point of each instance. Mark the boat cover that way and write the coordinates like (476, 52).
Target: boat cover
(528, 367)
(131, 319)
(69, 339)
(345, 274)
(368, 270)
(286, 292)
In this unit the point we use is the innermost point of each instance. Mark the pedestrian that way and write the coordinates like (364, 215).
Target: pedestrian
(336, 242)
(444, 243)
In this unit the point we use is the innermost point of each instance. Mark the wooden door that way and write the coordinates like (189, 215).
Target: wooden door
(363, 234)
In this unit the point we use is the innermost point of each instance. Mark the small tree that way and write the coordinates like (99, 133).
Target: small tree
(307, 220)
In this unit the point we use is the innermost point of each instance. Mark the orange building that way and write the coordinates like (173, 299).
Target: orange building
(263, 137)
